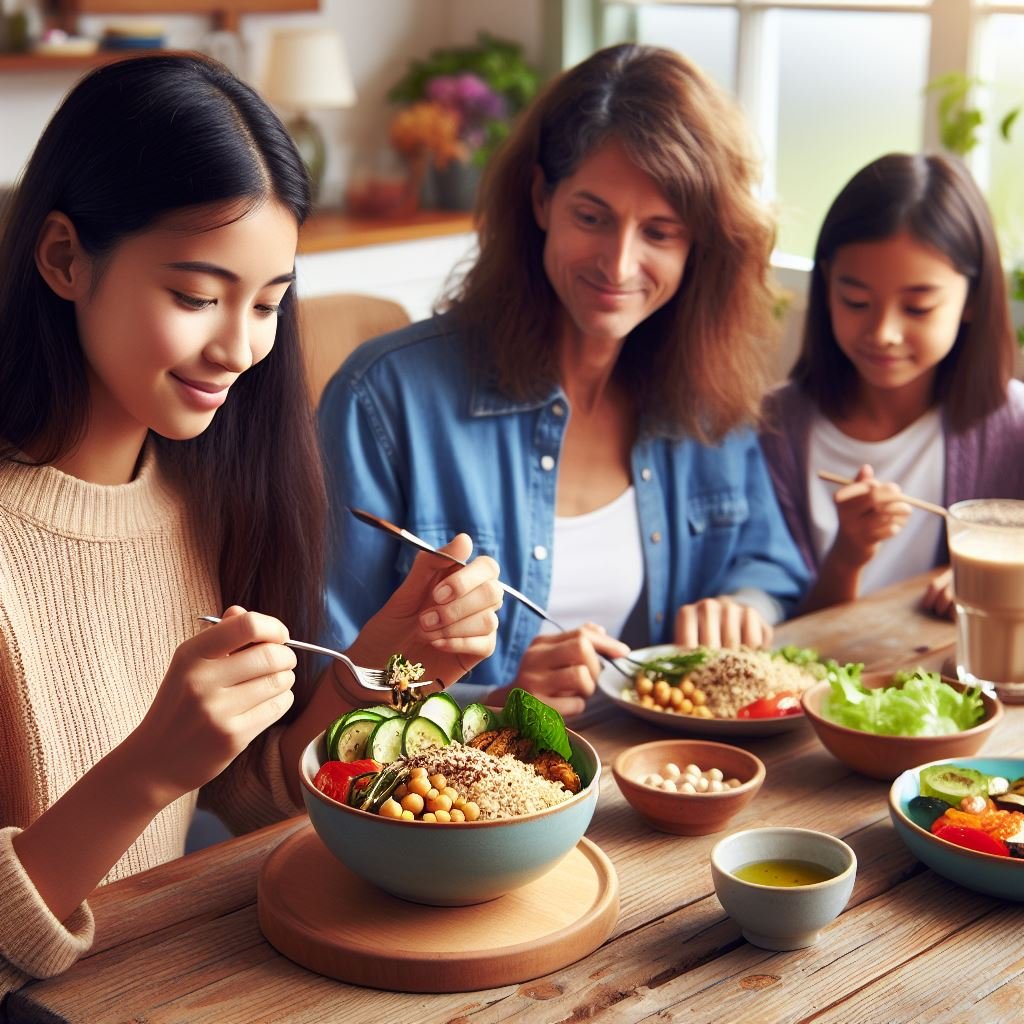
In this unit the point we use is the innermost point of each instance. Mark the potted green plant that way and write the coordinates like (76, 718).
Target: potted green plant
(456, 107)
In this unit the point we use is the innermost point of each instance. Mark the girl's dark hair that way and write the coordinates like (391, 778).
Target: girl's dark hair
(700, 364)
(132, 143)
(936, 201)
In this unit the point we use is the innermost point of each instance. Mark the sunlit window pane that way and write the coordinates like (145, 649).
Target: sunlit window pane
(1006, 183)
(851, 87)
(707, 35)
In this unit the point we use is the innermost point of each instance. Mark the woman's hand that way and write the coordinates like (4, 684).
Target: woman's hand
(224, 686)
(870, 511)
(561, 668)
(938, 598)
(720, 622)
(444, 616)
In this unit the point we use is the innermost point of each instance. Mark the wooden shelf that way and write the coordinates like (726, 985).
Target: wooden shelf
(70, 62)
(324, 232)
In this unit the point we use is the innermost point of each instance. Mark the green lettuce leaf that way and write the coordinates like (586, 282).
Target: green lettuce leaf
(535, 720)
(923, 706)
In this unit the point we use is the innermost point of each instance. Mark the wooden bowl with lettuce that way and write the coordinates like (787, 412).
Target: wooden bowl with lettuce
(884, 723)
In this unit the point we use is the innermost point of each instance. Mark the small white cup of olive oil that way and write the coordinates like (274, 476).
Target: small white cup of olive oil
(783, 885)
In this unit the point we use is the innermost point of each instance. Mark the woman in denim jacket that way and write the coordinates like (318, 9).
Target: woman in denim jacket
(582, 408)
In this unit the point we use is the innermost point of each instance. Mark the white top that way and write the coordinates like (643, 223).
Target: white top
(915, 458)
(597, 568)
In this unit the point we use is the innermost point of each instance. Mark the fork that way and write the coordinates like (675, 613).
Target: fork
(370, 678)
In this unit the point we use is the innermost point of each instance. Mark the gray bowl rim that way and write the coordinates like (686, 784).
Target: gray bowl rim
(850, 869)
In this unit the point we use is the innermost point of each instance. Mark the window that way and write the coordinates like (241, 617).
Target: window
(830, 84)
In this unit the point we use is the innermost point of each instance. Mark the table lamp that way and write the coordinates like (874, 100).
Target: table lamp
(307, 70)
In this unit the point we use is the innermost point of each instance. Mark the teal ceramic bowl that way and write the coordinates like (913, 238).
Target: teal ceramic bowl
(982, 872)
(450, 865)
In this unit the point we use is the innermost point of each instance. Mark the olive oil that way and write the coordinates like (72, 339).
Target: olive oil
(784, 872)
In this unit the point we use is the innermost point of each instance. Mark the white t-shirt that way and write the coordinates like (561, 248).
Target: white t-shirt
(915, 458)
(597, 568)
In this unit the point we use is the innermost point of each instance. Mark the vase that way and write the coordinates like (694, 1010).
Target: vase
(455, 185)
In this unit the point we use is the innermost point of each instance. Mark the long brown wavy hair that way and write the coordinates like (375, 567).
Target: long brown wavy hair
(132, 143)
(936, 201)
(698, 366)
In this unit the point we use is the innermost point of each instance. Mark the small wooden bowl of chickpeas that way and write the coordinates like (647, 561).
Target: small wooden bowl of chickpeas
(688, 787)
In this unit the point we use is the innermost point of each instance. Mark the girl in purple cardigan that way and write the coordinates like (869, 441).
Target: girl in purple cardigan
(903, 382)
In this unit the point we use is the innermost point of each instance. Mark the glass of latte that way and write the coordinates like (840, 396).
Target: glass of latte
(986, 550)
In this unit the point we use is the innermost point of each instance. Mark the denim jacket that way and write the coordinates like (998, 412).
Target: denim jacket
(410, 434)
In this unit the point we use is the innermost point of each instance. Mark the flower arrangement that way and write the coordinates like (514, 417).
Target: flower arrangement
(460, 102)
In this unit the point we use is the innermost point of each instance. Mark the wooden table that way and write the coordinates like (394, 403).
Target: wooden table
(180, 943)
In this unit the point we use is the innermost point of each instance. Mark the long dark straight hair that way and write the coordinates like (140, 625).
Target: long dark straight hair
(699, 365)
(936, 201)
(132, 143)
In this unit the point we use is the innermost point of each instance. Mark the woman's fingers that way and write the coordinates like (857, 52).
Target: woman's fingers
(720, 622)
(236, 630)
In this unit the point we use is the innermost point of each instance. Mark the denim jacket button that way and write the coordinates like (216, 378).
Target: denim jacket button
(656, 537)
(547, 462)
(540, 552)
(558, 409)
(645, 473)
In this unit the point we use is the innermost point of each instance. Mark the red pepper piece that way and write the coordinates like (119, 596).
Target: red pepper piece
(335, 777)
(971, 839)
(785, 703)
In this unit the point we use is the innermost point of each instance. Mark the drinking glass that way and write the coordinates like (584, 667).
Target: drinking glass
(986, 550)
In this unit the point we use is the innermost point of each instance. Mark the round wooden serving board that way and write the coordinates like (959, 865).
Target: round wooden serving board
(316, 912)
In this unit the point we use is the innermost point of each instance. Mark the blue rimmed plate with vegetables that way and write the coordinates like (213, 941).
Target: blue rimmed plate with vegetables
(926, 804)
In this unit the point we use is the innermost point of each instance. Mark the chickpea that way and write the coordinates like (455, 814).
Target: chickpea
(439, 803)
(450, 793)
(400, 791)
(647, 701)
(471, 810)
(703, 711)
(699, 697)
(412, 802)
(419, 785)
(686, 707)
(443, 816)
(438, 781)
(644, 685)
(687, 688)
(390, 809)
(715, 774)
(418, 773)
(457, 815)
(672, 771)
(675, 699)
(428, 817)
(408, 816)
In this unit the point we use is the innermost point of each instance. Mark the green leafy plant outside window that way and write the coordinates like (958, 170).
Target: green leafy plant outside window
(960, 125)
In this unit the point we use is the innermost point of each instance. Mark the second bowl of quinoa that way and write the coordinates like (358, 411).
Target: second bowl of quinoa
(524, 825)
(706, 702)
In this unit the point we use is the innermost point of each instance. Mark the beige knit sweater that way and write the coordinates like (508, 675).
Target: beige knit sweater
(98, 586)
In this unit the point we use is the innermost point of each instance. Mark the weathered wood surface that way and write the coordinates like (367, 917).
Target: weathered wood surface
(181, 943)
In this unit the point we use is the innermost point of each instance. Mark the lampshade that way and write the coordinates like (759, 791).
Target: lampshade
(307, 70)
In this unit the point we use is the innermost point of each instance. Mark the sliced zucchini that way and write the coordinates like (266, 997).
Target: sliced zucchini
(331, 738)
(421, 733)
(353, 738)
(477, 719)
(385, 710)
(442, 710)
(385, 743)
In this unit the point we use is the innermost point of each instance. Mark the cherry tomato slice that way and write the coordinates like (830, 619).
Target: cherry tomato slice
(971, 839)
(785, 703)
(335, 777)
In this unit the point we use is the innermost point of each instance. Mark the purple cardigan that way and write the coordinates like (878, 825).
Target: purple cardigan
(985, 461)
